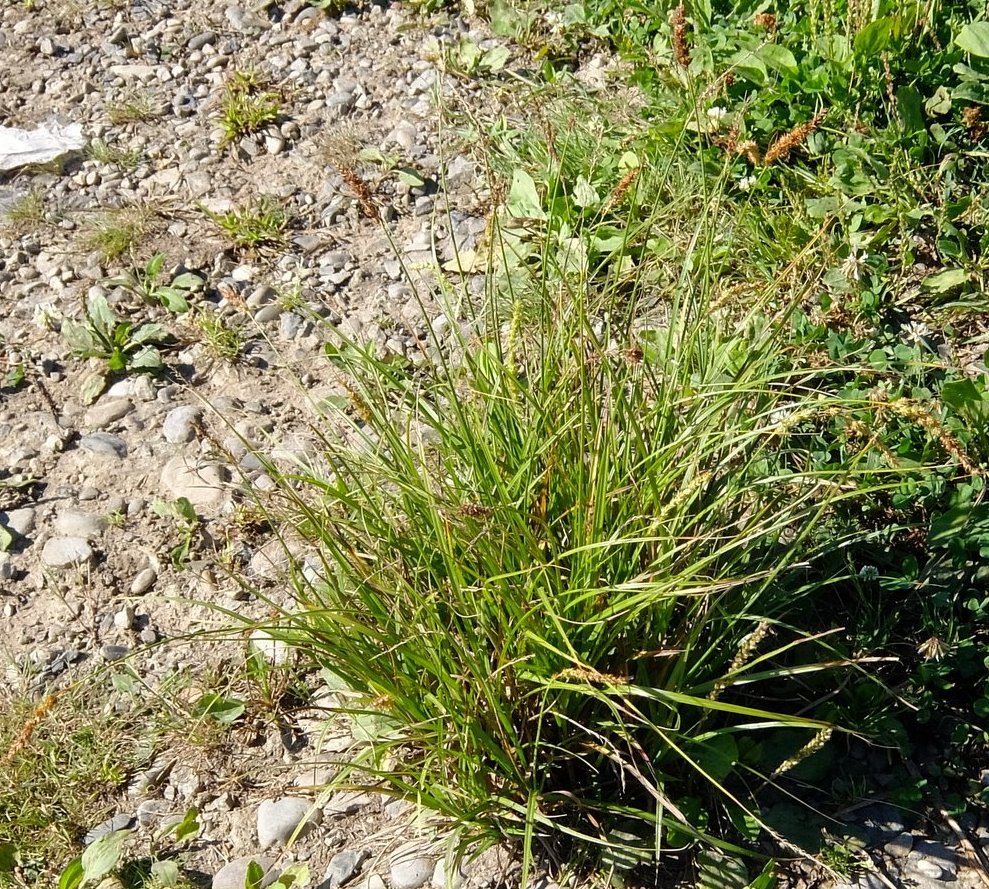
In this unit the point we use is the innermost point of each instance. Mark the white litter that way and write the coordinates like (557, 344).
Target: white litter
(48, 142)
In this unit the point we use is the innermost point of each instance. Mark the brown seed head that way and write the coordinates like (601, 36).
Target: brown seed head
(783, 145)
(680, 29)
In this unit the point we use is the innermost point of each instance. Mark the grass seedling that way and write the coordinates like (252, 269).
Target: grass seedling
(28, 212)
(117, 233)
(103, 152)
(137, 107)
(246, 107)
(223, 341)
(262, 223)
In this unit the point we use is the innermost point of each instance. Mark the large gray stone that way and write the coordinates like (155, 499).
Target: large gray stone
(203, 485)
(66, 552)
(279, 820)
(410, 867)
(181, 423)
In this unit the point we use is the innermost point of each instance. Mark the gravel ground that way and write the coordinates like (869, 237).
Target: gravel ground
(85, 457)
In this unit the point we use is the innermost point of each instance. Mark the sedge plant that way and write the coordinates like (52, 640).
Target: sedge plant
(563, 568)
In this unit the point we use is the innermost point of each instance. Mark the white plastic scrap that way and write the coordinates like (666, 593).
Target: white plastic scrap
(49, 141)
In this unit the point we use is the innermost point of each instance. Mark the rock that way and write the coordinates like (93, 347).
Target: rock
(76, 523)
(181, 423)
(117, 822)
(409, 867)
(143, 581)
(104, 444)
(899, 846)
(124, 619)
(346, 802)
(275, 651)
(138, 387)
(66, 552)
(442, 879)
(114, 652)
(203, 485)
(233, 875)
(7, 573)
(278, 820)
(20, 521)
(107, 411)
(342, 867)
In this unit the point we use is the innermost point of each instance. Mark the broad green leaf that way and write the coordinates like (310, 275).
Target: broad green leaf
(777, 57)
(186, 828)
(410, 177)
(767, 879)
(148, 358)
(165, 873)
(92, 387)
(295, 876)
(225, 711)
(909, 108)
(6, 538)
(78, 336)
(748, 65)
(100, 313)
(523, 197)
(716, 870)
(254, 877)
(72, 876)
(584, 194)
(103, 855)
(172, 299)
(874, 38)
(963, 521)
(149, 333)
(155, 265)
(945, 282)
(971, 91)
(188, 281)
(8, 857)
(496, 58)
(974, 39)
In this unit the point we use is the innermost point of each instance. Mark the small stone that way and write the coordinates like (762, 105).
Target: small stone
(204, 486)
(143, 581)
(274, 144)
(104, 444)
(442, 879)
(243, 273)
(114, 652)
(342, 867)
(7, 573)
(278, 820)
(267, 313)
(899, 846)
(20, 521)
(234, 874)
(346, 802)
(409, 868)
(117, 822)
(119, 36)
(67, 552)
(107, 411)
(124, 619)
(138, 387)
(275, 651)
(181, 424)
(75, 523)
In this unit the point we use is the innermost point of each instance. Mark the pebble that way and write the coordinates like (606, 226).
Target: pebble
(342, 867)
(75, 523)
(181, 424)
(409, 867)
(124, 619)
(104, 444)
(107, 411)
(20, 521)
(233, 875)
(442, 879)
(114, 652)
(117, 822)
(67, 552)
(143, 581)
(203, 485)
(275, 651)
(277, 820)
